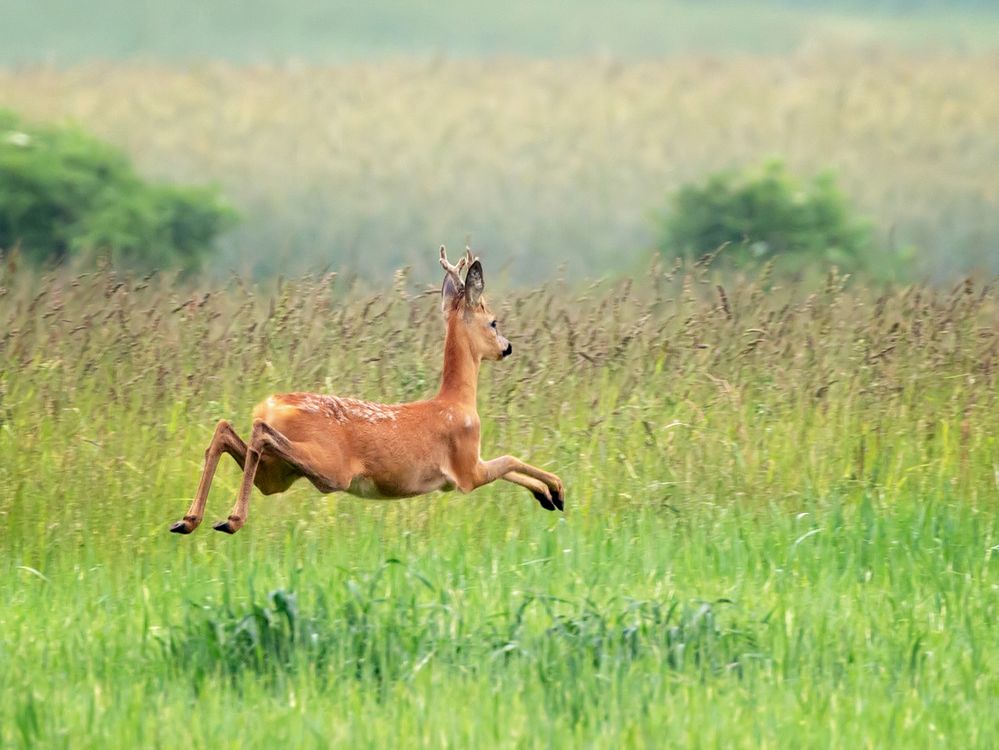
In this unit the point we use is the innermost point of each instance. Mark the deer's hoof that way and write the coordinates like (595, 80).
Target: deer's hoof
(544, 501)
(228, 526)
(184, 526)
(558, 500)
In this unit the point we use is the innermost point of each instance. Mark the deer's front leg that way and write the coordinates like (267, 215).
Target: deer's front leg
(538, 488)
(504, 466)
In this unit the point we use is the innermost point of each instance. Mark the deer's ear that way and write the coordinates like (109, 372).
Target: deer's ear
(449, 293)
(474, 284)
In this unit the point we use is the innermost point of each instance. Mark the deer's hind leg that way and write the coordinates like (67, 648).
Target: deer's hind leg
(225, 440)
(281, 462)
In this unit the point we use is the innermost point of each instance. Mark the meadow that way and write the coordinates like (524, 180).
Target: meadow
(780, 522)
(557, 164)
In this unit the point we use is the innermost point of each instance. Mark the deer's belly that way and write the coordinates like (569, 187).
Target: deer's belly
(395, 488)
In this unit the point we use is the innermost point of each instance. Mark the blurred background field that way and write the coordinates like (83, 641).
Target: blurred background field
(63, 31)
(362, 163)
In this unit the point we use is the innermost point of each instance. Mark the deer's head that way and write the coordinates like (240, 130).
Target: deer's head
(464, 307)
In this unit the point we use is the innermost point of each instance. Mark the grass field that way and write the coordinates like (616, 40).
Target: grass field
(364, 166)
(780, 528)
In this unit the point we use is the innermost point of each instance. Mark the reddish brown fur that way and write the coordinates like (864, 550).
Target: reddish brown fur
(381, 450)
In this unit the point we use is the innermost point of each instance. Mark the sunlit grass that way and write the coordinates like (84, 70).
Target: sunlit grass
(780, 527)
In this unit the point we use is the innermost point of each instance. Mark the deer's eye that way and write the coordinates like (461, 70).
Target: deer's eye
(493, 324)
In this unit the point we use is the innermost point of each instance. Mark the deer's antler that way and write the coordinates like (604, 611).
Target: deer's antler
(454, 271)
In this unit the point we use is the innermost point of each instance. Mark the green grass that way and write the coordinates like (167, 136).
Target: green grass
(780, 531)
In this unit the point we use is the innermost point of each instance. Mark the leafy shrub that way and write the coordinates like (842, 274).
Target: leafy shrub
(65, 195)
(765, 213)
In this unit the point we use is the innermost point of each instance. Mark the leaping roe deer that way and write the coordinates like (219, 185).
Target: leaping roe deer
(381, 450)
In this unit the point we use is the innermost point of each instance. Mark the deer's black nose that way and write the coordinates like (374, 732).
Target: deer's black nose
(508, 351)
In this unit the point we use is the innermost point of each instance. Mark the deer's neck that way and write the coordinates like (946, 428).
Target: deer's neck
(461, 369)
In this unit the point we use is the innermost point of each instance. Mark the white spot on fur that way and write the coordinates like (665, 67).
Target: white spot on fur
(468, 422)
(345, 410)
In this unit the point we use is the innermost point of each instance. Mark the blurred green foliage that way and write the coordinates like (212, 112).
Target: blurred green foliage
(64, 195)
(763, 213)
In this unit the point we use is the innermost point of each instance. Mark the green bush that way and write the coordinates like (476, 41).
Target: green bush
(64, 195)
(765, 213)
